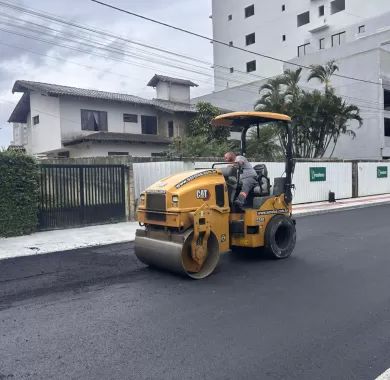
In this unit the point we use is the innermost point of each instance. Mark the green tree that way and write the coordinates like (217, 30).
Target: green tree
(266, 146)
(202, 139)
(318, 118)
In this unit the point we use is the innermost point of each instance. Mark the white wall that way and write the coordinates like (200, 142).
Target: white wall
(46, 135)
(270, 23)
(101, 150)
(338, 177)
(369, 183)
(71, 116)
(173, 92)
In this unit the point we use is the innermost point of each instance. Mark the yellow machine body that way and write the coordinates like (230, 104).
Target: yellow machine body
(189, 219)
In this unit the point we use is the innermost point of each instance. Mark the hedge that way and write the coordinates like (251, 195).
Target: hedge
(19, 189)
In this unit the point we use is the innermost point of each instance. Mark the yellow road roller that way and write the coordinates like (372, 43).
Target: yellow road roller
(189, 219)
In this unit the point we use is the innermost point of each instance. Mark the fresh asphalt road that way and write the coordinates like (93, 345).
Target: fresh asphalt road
(100, 314)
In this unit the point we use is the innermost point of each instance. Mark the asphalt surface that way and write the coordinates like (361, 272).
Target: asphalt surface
(100, 314)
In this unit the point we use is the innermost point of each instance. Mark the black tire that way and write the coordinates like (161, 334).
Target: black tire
(280, 237)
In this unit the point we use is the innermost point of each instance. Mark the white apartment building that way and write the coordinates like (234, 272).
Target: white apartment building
(62, 121)
(284, 29)
(354, 33)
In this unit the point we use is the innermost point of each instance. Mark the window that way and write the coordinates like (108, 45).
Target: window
(337, 6)
(249, 11)
(386, 99)
(118, 153)
(321, 10)
(251, 66)
(93, 120)
(64, 154)
(149, 125)
(230, 17)
(250, 39)
(130, 118)
(362, 29)
(387, 127)
(322, 43)
(36, 120)
(284, 37)
(283, 7)
(231, 43)
(171, 131)
(231, 70)
(338, 39)
(303, 19)
(303, 49)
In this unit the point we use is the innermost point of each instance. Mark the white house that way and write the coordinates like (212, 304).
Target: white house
(360, 46)
(62, 121)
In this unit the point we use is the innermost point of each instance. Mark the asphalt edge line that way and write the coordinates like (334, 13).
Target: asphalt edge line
(295, 215)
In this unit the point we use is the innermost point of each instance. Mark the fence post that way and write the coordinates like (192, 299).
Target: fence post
(131, 192)
(355, 179)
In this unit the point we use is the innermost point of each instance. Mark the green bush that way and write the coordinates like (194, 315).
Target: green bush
(19, 189)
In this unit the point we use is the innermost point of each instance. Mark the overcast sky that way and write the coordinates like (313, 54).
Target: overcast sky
(30, 59)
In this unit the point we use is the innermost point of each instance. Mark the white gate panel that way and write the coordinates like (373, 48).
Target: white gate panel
(338, 180)
(369, 183)
(147, 173)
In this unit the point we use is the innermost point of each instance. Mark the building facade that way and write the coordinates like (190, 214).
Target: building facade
(332, 30)
(61, 121)
(285, 29)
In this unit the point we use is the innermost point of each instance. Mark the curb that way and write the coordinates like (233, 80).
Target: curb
(346, 208)
(297, 215)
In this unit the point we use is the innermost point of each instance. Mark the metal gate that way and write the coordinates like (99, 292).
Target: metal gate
(76, 195)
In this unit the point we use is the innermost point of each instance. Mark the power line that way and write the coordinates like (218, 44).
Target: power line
(119, 51)
(221, 42)
(228, 79)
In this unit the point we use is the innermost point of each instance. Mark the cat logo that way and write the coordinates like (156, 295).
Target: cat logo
(203, 194)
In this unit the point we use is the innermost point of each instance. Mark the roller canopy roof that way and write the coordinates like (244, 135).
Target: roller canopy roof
(237, 120)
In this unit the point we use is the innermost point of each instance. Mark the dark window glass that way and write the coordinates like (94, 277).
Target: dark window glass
(386, 98)
(220, 195)
(249, 11)
(303, 18)
(118, 153)
(171, 131)
(250, 39)
(149, 125)
(36, 120)
(230, 17)
(387, 127)
(93, 120)
(231, 43)
(338, 39)
(337, 6)
(303, 50)
(130, 118)
(322, 43)
(284, 37)
(283, 7)
(64, 154)
(231, 70)
(321, 10)
(362, 28)
(251, 66)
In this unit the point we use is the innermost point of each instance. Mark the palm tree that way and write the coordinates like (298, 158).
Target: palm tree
(273, 97)
(323, 73)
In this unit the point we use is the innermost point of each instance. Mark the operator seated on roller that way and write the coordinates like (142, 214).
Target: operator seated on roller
(248, 176)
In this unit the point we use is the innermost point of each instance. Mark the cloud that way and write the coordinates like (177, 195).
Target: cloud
(34, 60)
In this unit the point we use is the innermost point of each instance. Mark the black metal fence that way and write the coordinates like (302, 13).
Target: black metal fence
(76, 195)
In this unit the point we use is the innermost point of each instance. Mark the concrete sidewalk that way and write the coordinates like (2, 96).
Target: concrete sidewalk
(74, 238)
